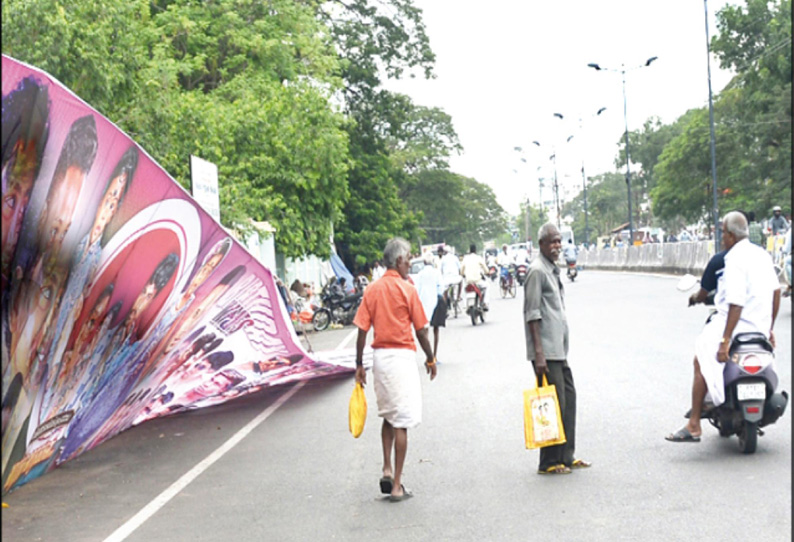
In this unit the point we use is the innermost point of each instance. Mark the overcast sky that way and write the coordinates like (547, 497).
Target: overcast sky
(504, 67)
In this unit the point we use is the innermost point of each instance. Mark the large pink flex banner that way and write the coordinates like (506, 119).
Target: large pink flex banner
(122, 300)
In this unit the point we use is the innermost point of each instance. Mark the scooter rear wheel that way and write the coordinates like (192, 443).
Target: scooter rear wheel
(748, 437)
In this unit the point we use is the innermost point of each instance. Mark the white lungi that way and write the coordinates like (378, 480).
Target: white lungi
(397, 386)
(706, 347)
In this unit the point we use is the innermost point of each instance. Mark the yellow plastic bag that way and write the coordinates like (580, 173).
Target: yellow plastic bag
(542, 420)
(357, 413)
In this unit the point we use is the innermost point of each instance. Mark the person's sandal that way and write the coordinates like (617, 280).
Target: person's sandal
(556, 469)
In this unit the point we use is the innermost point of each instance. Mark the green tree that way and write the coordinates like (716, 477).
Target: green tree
(455, 210)
(607, 207)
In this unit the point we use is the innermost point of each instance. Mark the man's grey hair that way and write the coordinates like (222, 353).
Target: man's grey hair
(546, 230)
(736, 223)
(394, 249)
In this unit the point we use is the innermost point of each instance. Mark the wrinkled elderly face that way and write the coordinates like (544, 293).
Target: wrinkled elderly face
(551, 245)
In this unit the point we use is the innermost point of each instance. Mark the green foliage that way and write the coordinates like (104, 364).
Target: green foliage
(537, 217)
(456, 210)
(607, 206)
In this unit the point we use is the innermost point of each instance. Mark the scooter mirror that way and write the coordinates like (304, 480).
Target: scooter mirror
(687, 282)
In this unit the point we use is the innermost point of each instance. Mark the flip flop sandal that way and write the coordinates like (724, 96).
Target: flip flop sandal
(397, 498)
(556, 469)
(386, 484)
(682, 435)
(580, 464)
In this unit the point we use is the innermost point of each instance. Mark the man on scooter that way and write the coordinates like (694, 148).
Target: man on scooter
(569, 252)
(474, 271)
(747, 300)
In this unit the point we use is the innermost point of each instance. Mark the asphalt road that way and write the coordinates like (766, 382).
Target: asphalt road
(297, 474)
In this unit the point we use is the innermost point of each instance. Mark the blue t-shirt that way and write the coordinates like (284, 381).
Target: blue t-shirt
(713, 271)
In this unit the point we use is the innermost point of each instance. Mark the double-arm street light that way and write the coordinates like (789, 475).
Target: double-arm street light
(623, 71)
(584, 178)
(553, 158)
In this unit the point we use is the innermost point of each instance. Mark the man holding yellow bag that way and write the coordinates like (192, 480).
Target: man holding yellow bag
(391, 305)
(546, 331)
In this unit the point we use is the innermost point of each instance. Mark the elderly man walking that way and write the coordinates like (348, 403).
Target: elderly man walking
(391, 306)
(546, 331)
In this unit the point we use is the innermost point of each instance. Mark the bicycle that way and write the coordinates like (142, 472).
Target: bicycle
(507, 281)
(453, 303)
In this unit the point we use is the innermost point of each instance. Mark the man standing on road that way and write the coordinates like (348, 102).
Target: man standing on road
(391, 305)
(546, 331)
(748, 299)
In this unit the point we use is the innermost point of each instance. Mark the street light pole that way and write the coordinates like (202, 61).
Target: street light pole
(622, 71)
(628, 157)
(715, 212)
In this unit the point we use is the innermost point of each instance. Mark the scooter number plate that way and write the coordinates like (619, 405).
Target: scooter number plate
(745, 392)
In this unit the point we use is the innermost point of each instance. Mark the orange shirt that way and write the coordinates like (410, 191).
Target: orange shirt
(391, 305)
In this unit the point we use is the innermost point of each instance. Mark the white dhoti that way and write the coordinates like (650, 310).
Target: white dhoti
(397, 387)
(706, 347)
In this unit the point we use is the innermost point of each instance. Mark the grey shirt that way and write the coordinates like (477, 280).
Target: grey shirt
(543, 300)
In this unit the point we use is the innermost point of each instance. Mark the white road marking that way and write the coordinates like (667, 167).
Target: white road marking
(163, 498)
(347, 339)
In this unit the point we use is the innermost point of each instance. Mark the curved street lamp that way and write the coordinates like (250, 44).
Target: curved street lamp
(623, 71)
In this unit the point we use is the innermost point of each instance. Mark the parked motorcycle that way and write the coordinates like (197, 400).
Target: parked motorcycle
(751, 401)
(335, 309)
(572, 271)
(474, 307)
(521, 273)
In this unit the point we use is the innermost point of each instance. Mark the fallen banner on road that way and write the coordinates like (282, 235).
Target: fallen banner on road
(122, 299)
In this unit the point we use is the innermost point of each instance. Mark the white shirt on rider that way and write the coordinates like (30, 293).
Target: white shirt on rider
(504, 259)
(749, 280)
(522, 256)
(450, 265)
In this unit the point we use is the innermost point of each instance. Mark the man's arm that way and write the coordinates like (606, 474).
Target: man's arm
(430, 362)
(699, 297)
(540, 359)
(775, 308)
(734, 313)
(361, 373)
